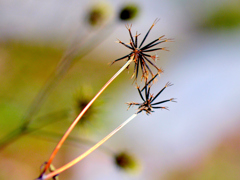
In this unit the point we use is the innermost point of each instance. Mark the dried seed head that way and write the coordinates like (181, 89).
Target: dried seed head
(148, 103)
(89, 120)
(142, 61)
(98, 14)
(126, 162)
(129, 12)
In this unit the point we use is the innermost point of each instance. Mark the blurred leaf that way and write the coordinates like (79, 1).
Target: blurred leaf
(225, 17)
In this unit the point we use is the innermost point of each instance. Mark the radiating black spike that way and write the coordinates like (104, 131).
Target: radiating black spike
(146, 65)
(125, 45)
(132, 45)
(148, 32)
(145, 47)
(158, 93)
(150, 62)
(161, 102)
(136, 40)
(142, 67)
(150, 81)
(160, 107)
(130, 33)
(143, 54)
(122, 58)
(148, 68)
(149, 50)
(140, 94)
(148, 93)
(137, 68)
(152, 45)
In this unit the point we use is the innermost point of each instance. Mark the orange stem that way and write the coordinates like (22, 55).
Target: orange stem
(80, 115)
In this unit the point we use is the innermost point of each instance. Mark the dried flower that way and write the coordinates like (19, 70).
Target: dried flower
(148, 104)
(141, 59)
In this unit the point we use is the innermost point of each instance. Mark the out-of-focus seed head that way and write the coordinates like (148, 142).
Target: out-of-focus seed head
(81, 98)
(129, 12)
(127, 162)
(98, 14)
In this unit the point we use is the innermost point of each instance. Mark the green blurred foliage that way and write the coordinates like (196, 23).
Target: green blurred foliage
(24, 69)
(227, 16)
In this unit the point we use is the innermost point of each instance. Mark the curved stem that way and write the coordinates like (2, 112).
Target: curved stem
(79, 158)
(81, 114)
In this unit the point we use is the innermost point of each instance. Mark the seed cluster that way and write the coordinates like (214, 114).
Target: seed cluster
(143, 62)
(148, 104)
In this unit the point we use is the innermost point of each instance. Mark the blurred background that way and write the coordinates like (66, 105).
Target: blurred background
(54, 57)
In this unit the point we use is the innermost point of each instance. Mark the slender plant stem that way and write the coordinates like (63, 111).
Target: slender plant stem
(81, 114)
(76, 49)
(71, 141)
(11, 137)
(79, 158)
(62, 68)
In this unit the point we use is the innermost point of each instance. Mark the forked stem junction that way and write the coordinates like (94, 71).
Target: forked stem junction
(79, 158)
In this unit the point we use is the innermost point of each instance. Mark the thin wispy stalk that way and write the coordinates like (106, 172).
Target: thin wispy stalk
(40, 122)
(76, 49)
(72, 141)
(81, 114)
(79, 158)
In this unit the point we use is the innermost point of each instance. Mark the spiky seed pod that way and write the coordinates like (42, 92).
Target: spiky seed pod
(142, 60)
(129, 12)
(125, 161)
(148, 101)
(89, 119)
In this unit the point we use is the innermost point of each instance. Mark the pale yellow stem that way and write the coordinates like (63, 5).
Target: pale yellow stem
(81, 114)
(79, 158)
